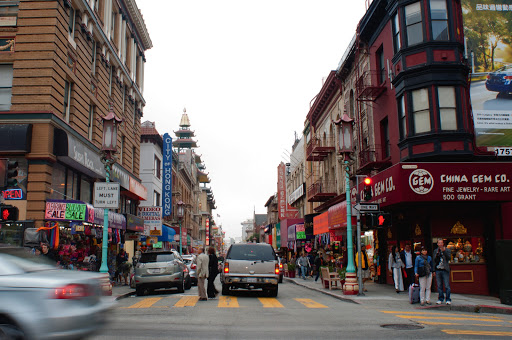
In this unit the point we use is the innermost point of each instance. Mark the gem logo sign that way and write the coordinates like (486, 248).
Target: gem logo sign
(421, 181)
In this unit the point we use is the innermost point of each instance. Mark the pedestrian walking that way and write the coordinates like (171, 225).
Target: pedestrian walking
(442, 256)
(423, 266)
(365, 267)
(202, 262)
(213, 271)
(408, 259)
(395, 266)
(303, 263)
(319, 262)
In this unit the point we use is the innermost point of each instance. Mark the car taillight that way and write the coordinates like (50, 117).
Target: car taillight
(277, 268)
(507, 77)
(226, 267)
(488, 76)
(71, 291)
(193, 266)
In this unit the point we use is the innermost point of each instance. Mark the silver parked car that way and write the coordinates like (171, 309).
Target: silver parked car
(39, 301)
(160, 269)
(190, 262)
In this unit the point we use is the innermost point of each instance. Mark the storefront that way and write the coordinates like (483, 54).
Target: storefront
(464, 204)
(286, 250)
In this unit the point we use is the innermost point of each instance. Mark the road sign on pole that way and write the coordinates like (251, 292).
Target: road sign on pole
(106, 195)
(367, 207)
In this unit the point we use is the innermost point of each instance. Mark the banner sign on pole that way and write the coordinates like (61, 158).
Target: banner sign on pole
(167, 176)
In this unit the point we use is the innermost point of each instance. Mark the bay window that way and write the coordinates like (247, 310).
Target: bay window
(439, 17)
(447, 108)
(414, 24)
(421, 110)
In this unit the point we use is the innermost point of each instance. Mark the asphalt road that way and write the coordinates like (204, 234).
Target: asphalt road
(297, 313)
(482, 99)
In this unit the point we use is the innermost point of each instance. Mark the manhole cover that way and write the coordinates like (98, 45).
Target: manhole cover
(401, 326)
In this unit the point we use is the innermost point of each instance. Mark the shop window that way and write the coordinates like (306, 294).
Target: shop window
(71, 185)
(85, 189)
(381, 66)
(439, 18)
(58, 182)
(402, 118)
(384, 132)
(421, 111)
(396, 33)
(465, 249)
(414, 24)
(67, 100)
(6, 73)
(447, 107)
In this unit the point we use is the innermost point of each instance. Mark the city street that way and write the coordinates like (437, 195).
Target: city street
(297, 312)
(482, 99)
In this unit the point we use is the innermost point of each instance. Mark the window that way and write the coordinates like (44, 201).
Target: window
(67, 100)
(420, 111)
(71, 27)
(85, 189)
(121, 151)
(8, 13)
(110, 81)
(439, 17)
(156, 199)
(134, 112)
(113, 26)
(414, 24)
(97, 6)
(5, 87)
(447, 107)
(91, 121)
(123, 89)
(351, 103)
(380, 65)
(384, 132)
(396, 33)
(134, 150)
(401, 118)
(158, 167)
(93, 60)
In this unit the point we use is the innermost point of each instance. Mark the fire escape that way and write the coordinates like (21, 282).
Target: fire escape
(318, 150)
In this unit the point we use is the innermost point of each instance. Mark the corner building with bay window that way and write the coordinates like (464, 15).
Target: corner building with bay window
(426, 167)
(63, 65)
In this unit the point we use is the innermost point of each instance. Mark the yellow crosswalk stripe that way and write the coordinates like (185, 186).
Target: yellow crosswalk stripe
(458, 324)
(270, 303)
(187, 301)
(228, 302)
(310, 303)
(146, 303)
(469, 332)
(433, 313)
(444, 318)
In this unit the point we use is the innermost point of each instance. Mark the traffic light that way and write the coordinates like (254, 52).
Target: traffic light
(383, 220)
(367, 188)
(12, 173)
(8, 213)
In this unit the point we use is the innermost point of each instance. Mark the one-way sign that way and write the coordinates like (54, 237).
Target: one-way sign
(372, 207)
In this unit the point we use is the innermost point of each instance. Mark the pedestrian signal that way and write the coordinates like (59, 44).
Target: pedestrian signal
(383, 220)
(8, 213)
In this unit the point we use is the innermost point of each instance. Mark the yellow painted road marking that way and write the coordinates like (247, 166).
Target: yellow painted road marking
(443, 318)
(310, 303)
(270, 303)
(146, 303)
(431, 313)
(228, 302)
(458, 324)
(187, 301)
(468, 332)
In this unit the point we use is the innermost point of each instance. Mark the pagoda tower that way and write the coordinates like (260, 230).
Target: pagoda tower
(184, 134)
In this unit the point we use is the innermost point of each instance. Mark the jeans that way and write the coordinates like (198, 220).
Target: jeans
(443, 277)
(303, 270)
(317, 274)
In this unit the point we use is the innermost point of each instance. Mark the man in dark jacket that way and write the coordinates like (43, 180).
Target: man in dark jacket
(213, 271)
(408, 258)
(442, 256)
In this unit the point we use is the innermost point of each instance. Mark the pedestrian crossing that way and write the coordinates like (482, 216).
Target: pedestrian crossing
(223, 302)
(462, 324)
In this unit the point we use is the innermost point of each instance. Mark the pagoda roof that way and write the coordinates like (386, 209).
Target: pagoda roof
(184, 143)
(202, 177)
(184, 132)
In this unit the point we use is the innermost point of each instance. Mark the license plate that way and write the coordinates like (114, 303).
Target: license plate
(155, 271)
(252, 279)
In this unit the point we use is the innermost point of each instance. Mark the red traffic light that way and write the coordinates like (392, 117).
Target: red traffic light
(367, 181)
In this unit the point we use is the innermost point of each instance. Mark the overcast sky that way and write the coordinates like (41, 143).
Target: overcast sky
(246, 71)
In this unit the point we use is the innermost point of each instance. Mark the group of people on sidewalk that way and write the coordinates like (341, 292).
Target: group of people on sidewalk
(406, 267)
(207, 268)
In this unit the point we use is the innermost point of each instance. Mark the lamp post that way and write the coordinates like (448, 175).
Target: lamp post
(108, 151)
(180, 212)
(346, 147)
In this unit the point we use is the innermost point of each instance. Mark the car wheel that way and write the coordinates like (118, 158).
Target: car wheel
(181, 287)
(188, 285)
(225, 289)
(501, 95)
(280, 279)
(139, 290)
(9, 330)
(273, 292)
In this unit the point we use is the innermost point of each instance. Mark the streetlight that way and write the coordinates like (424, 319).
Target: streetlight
(180, 212)
(108, 158)
(346, 147)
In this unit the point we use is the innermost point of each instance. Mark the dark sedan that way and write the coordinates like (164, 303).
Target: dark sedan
(500, 81)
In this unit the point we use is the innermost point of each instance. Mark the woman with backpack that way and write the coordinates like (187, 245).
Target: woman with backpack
(423, 270)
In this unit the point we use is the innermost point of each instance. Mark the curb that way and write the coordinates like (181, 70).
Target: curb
(339, 297)
(120, 297)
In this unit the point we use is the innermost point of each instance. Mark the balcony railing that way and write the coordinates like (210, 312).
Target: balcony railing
(321, 191)
(369, 85)
(372, 159)
(319, 148)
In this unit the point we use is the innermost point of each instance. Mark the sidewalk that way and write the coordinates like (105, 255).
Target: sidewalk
(384, 296)
(121, 292)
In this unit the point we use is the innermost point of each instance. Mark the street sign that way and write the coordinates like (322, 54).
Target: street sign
(106, 195)
(371, 207)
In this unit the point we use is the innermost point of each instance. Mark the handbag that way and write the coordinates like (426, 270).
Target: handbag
(422, 271)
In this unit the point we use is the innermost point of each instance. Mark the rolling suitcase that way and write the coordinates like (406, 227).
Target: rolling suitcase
(414, 293)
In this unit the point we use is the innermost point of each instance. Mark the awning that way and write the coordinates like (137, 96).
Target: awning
(338, 216)
(167, 234)
(321, 223)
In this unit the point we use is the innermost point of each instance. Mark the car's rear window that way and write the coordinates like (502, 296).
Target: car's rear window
(156, 257)
(251, 252)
